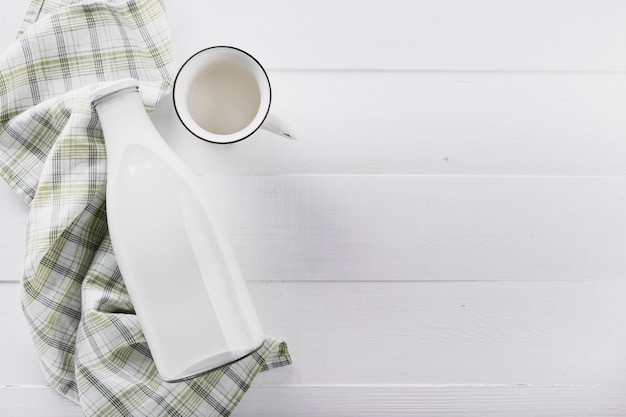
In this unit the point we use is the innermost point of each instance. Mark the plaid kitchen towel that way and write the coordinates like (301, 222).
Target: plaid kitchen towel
(52, 153)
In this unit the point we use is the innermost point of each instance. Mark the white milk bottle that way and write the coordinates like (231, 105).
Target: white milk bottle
(181, 274)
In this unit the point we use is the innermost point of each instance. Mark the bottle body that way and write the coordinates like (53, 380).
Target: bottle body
(175, 259)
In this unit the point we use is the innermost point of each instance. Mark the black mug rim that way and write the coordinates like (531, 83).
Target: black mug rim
(268, 104)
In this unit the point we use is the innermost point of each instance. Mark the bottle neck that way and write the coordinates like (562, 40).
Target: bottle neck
(125, 122)
(122, 109)
(110, 95)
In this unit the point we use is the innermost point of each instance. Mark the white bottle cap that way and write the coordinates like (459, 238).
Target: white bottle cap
(112, 87)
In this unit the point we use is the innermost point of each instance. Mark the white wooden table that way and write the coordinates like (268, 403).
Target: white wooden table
(447, 237)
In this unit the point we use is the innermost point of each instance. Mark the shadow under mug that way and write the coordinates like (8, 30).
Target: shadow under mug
(222, 94)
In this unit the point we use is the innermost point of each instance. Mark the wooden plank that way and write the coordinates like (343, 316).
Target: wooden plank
(582, 35)
(447, 333)
(435, 401)
(409, 401)
(408, 228)
(405, 228)
(19, 364)
(399, 34)
(416, 333)
(36, 401)
(11, 16)
(13, 222)
(477, 123)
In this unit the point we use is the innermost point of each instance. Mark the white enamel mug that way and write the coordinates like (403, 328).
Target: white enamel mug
(222, 94)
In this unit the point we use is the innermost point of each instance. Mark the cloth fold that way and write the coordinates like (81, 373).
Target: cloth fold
(52, 154)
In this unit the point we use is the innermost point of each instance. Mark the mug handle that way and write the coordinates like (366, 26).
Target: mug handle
(278, 126)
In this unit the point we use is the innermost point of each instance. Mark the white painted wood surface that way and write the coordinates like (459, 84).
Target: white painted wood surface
(447, 237)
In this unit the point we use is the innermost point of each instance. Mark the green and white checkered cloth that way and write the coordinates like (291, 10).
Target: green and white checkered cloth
(52, 153)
